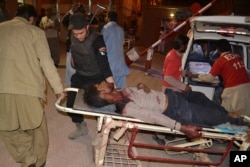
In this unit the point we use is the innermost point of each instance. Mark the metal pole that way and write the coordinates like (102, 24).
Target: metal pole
(148, 62)
(90, 5)
(98, 6)
(128, 61)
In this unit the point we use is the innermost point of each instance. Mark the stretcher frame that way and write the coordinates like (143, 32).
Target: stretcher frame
(109, 121)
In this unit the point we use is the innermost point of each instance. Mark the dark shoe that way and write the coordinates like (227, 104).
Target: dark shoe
(159, 140)
(81, 130)
(170, 137)
(32, 165)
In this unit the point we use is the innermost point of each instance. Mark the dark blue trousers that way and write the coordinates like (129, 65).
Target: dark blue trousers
(196, 109)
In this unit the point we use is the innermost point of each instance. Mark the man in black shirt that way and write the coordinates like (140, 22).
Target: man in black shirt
(90, 61)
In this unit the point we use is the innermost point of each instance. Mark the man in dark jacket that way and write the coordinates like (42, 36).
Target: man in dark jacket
(89, 58)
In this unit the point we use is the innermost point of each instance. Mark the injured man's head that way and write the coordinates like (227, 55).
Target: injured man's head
(101, 94)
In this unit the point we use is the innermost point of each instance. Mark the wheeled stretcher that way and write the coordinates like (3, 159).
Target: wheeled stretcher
(108, 120)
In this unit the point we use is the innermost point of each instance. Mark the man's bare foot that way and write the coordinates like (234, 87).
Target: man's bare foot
(235, 114)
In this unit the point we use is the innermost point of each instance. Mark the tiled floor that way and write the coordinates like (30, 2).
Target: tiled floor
(78, 153)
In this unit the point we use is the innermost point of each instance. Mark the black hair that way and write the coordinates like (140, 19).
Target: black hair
(112, 16)
(179, 41)
(80, 8)
(26, 11)
(223, 45)
(48, 10)
(3, 1)
(91, 97)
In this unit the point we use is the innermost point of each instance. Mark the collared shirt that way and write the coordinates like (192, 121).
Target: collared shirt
(172, 71)
(148, 107)
(25, 59)
(113, 36)
(50, 25)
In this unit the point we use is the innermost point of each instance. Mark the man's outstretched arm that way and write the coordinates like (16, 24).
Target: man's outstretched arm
(153, 117)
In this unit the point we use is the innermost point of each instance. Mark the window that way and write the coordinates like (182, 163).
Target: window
(237, 49)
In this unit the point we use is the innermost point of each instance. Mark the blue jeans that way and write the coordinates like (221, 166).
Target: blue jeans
(195, 108)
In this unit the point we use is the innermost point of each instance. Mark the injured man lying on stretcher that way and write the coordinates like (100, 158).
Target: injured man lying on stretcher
(183, 111)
